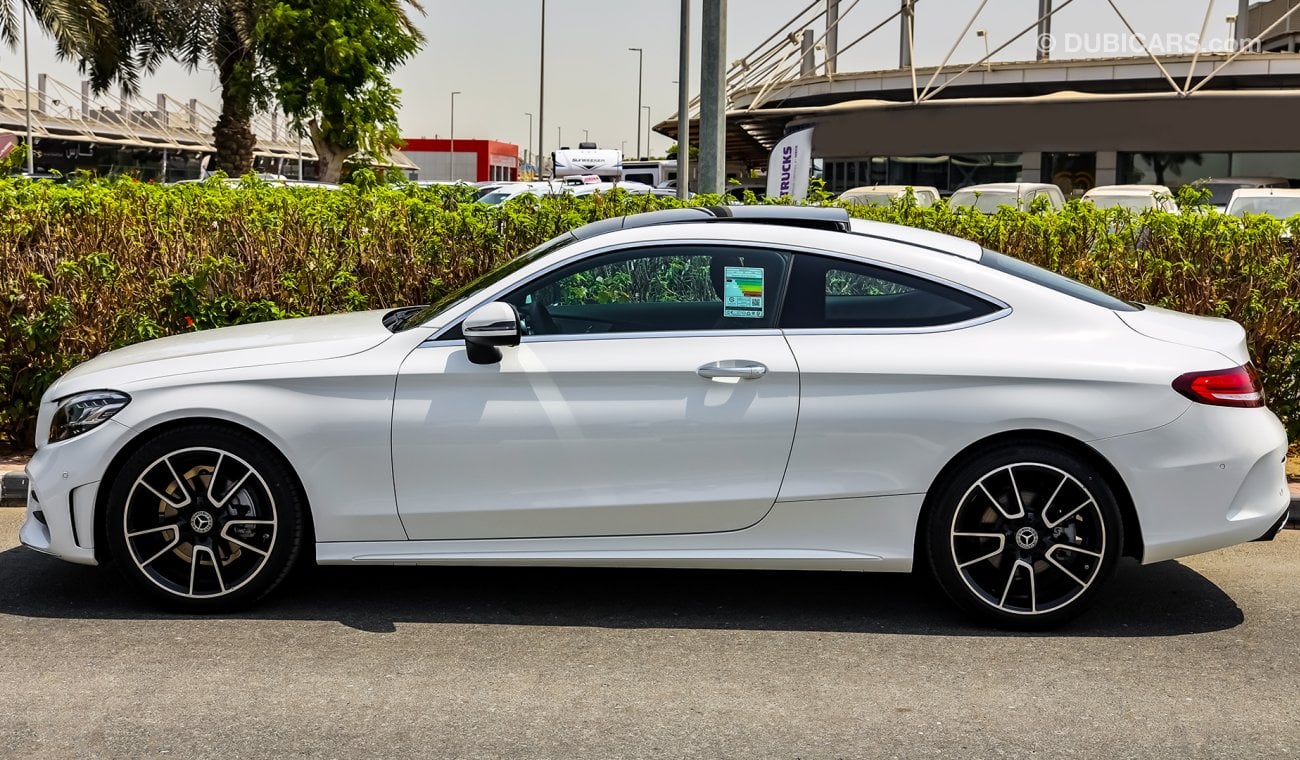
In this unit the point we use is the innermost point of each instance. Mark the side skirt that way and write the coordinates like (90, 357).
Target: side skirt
(866, 534)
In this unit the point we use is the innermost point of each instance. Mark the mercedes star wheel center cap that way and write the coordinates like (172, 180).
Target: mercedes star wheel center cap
(201, 522)
(1026, 538)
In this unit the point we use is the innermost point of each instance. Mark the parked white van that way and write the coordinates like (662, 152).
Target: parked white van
(883, 195)
(1018, 195)
(1132, 197)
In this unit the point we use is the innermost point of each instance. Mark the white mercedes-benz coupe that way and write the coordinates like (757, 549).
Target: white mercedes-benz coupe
(739, 387)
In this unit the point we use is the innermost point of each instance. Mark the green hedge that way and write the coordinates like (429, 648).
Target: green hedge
(90, 266)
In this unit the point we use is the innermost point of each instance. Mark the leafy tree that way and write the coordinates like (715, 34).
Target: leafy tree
(672, 152)
(144, 33)
(328, 63)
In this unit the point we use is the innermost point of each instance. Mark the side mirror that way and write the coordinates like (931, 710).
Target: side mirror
(488, 327)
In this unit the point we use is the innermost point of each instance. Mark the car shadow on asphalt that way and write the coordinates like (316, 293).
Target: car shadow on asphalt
(1166, 599)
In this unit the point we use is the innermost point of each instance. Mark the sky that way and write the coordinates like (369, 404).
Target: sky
(488, 50)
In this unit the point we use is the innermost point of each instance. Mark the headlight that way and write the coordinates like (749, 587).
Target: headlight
(85, 411)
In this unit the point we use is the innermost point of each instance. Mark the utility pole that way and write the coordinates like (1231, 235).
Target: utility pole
(832, 34)
(713, 97)
(1042, 43)
(541, 93)
(906, 14)
(27, 95)
(640, 58)
(451, 154)
(684, 104)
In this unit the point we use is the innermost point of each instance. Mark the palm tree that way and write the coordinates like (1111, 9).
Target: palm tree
(81, 28)
(144, 33)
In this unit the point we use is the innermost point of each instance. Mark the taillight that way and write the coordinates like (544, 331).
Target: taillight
(1238, 386)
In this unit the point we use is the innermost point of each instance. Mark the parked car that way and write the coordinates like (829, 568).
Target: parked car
(1222, 188)
(883, 195)
(505, 192)
(729, 387)
(1132, 197)
(1018, 195)
(1282, 203)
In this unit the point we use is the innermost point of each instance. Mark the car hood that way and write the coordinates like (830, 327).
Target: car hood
(1222, 336)
(279, 342)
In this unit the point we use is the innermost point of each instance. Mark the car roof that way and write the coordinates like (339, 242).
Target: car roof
(1280, 181)
(887, 189)
(1014, 186)
(1266, 192)
(827, 219)
(1126, 190)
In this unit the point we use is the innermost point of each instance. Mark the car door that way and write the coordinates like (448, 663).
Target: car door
(883, 385)
(636, 403)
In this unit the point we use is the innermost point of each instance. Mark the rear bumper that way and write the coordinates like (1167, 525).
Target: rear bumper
(1214, 477)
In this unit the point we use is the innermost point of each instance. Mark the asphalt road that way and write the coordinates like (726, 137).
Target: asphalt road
(1183, 659)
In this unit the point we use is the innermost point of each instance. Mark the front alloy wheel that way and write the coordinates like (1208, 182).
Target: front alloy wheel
(1024, 536)
(204, 519)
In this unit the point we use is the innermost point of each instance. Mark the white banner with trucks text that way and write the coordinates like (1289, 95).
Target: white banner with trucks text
(790, 166)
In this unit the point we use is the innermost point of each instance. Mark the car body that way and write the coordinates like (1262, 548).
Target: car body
(1281, 203)
(736, 387)
(1018, 195)
(1222, 188)
(1136, 198)
(883, 195)
(575, 186)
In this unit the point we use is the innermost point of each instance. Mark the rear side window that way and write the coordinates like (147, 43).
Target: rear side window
(1053, 281)
(833, 293)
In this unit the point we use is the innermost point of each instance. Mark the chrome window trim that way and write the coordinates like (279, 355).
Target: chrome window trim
(575, 258)
(1003, 308)
(771, 332)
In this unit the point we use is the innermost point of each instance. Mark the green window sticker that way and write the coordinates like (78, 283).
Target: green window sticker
(742, 292)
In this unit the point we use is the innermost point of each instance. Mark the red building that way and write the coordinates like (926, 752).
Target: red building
(474, 160)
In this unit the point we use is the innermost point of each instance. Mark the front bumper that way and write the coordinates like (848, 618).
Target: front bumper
(1215, 477)
(63, 486)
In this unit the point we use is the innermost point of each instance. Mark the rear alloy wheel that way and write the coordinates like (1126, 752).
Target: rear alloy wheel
(204, 519)
(1024, 536)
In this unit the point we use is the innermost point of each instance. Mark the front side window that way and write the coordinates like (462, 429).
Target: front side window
(656, 289)
(833, 293)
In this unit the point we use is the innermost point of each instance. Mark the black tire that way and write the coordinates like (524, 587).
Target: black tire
(1024, 536)
(205, 519)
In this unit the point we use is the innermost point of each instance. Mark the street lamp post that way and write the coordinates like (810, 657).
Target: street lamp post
(984, 35)
(586, 136)
(640, 58)
(451, 153)
(530, 144)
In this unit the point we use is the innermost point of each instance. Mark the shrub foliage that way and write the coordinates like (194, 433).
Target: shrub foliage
(91, 266)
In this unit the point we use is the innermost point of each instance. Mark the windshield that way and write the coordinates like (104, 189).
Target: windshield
(498, 196)
(453, 298)
(1130, 202)
(1281, 207)
(1221, 192)
(871, 199)
(984, 200)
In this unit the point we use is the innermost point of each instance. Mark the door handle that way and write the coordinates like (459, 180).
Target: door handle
(740, 368)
